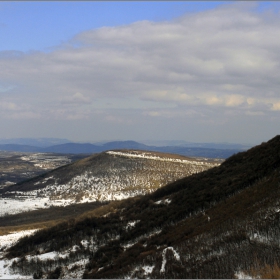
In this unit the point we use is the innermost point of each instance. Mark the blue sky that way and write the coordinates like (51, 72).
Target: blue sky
(163, 70)
(45, 24)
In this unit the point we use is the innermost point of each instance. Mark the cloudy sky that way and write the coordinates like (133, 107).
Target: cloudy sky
(91, 71)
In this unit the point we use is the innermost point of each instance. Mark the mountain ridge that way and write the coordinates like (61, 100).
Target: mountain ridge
(88, 148)
(218, 223)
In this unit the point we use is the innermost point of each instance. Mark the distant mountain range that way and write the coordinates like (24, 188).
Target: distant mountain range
(37, 142)
(209, 150)
(181, 143)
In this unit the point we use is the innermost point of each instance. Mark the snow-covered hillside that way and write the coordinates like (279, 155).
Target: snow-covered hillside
(112, 175)
(5, 264)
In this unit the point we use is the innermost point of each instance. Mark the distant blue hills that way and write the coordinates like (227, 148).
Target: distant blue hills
(44, 145)
(37, 142)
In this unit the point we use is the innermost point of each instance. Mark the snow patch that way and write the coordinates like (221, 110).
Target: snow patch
(10, 239)
(176, 255)
(10, 206)
(148, 269)
(129, 244)
(164, 201)
(131, 224)
(47, 256)
(5, 272)
(147, 155)
(147, 235)
(242, 275)
(5, 242)
(85, 243)
(75, 270)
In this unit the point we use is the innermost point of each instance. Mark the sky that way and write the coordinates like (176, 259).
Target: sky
(164, 70)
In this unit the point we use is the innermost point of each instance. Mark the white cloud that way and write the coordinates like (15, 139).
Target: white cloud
(115, 119)
(76, 99)
(8, 106)
(276, 106)
(226, 58)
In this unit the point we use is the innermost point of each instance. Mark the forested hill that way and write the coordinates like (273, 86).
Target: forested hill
(214, 224)
(111, 175)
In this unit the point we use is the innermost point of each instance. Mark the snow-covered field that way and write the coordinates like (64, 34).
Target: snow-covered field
(46, 161)
(10, 239)
(5, 242)
(10, 206)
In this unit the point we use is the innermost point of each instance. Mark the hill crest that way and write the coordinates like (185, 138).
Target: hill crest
(111, 175)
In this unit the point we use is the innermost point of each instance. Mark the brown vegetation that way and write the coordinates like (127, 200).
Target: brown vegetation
(44, 218)
(264, 271)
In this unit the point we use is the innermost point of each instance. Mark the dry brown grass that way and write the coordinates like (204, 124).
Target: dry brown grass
(44, 218)
(111, 207)
(40, 225)
(265, 271)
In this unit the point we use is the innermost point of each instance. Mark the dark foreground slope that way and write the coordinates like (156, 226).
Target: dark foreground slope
(210, 225)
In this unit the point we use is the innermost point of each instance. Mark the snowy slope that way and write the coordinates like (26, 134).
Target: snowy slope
(113, 175)
(5, 264)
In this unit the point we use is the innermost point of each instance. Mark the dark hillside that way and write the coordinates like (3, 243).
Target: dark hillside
(213, 224)
(235, 173)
